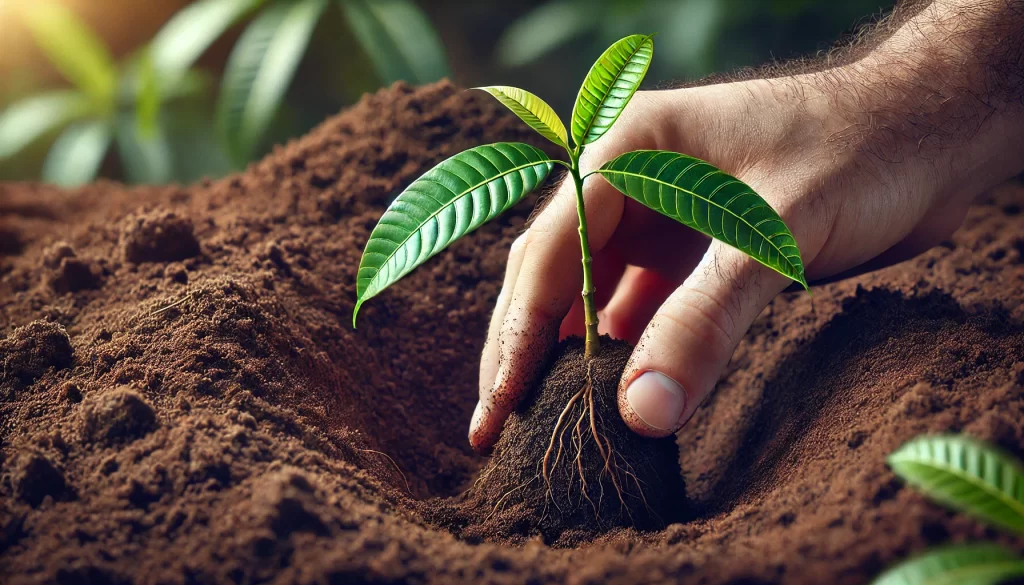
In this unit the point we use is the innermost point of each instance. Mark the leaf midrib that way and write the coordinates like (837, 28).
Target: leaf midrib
(618, 75)
(709, 202)
(999, 494)
(443, 207)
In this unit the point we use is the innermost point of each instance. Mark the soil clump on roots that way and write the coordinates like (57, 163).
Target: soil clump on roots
(183, 398)
(567, 467)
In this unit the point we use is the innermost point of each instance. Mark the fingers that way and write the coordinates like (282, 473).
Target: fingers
(691, 338)
(637, 298)
(489, 357)
(548, 282)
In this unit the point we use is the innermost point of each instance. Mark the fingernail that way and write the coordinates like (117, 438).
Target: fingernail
(657, 399)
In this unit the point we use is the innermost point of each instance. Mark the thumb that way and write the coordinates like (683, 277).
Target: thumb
(691, 338)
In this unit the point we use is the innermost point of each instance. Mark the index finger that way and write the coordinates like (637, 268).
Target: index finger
(548, 282)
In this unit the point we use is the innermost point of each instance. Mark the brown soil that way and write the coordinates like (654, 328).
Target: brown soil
(573, 480)
(182, 399)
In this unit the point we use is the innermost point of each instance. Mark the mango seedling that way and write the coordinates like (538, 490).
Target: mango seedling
(972, 477)
(474, 186)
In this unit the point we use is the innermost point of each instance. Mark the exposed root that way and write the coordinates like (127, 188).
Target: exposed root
(586, 428)
(408, 490)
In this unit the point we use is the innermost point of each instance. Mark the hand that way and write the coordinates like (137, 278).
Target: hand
(856, 194)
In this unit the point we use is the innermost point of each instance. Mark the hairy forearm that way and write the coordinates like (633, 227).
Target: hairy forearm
(945, 86)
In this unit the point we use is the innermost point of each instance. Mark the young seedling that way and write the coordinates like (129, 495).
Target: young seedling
(473, 187)
(971, 477)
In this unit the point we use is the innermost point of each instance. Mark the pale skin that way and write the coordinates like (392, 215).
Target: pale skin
(869, 163)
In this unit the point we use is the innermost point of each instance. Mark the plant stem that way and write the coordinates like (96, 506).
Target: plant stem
(592, 341)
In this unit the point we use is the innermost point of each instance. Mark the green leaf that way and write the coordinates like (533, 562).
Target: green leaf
(75, 157)
(74, 49)
(979, 564)
(145, 155)
(191, 31)
(966, 475)
(147, 94)
(260, 69)
(399, 40)
(609, 86)
(702, 197)
(450, 200)
(25, 121)
(532, 110)
(544, 29)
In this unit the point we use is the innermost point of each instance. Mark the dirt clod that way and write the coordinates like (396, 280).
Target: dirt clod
(159, 236)
(73, 275)
(32, 350)
(116, 415)
(35, 477)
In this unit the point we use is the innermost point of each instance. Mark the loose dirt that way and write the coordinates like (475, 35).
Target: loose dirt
(183, 400)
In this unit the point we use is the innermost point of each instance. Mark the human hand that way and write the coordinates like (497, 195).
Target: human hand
(857, 193)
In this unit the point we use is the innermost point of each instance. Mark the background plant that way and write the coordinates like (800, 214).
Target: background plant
(974, 478)
(339, 63)
(98, 111)
(395, 34)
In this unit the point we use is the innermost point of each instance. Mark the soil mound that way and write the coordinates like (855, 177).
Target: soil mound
(183, 399)
(566, 466)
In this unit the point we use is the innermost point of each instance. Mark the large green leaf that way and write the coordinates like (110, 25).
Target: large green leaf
(966, 475)
(608, 87)
(29, 119)
(701, 196)
(398, 38)
(75, 157)
(191, 31)
(532, 110)
(450, 200)
(983, 564)
(74, 49)
(259, 70)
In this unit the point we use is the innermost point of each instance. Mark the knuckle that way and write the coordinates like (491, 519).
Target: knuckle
(711, 322)
(519, 245)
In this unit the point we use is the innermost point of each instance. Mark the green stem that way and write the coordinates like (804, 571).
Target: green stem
(592, 342)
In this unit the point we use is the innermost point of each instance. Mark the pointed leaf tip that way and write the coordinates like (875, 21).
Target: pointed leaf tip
(531, 109)
(609, 86)
(449, 201)
(701, 196)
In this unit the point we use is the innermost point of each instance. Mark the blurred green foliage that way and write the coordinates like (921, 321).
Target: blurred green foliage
(159, 140)
(695, 37)
(293, 62)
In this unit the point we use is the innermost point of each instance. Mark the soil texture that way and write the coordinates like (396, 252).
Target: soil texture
(566, 466)
(183, 399)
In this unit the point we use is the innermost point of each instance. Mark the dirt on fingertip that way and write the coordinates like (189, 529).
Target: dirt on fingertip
(183, 398)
